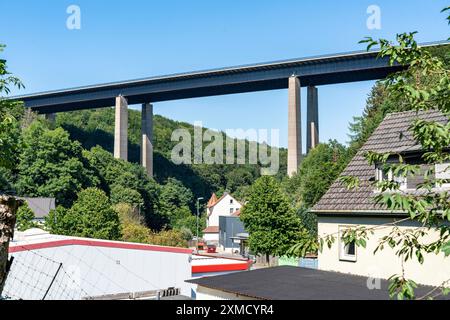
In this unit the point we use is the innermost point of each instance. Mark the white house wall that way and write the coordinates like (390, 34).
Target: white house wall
(211, 237)
(204, 293)
(383, 264)
(222, 208)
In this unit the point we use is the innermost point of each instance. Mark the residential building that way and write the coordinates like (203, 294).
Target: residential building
(342, 208)
(231, 230)
(41, 207)
(226, 205)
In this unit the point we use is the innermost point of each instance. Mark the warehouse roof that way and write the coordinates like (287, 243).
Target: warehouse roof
(295, 283)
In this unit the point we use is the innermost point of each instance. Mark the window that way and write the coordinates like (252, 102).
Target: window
(231, 210)
(383, 175)
(231, 201)
(347, 252)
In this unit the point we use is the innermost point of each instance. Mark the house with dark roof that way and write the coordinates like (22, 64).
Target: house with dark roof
(41, 207)
(226, 206)
(342, 208)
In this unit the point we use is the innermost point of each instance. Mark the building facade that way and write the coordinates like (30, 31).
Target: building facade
(342, 208)
(225, 206)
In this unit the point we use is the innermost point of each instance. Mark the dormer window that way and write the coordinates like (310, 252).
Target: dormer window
(413, 182)
(383, 175)
(231, 201)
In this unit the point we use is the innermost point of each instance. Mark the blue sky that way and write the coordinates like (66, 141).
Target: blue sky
(122, 40)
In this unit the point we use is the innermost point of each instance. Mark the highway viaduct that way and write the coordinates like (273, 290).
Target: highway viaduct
(287, 74)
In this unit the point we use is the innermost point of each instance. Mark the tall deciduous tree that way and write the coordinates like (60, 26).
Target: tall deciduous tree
(8, 156)
(91, 216)
(317, 172)
(116, 175)
(270, 219)
(52, 165)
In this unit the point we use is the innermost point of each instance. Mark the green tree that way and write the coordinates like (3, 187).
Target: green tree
(131, 224)
(10, 112)
(118, 177)
(24, 218)
(270, 219)
(175, 194)
(238, 177)
(316, 173)
(51, 165)
(172, 238)
(8, 157)
(91, 216)
(120, 194)
(189, 221)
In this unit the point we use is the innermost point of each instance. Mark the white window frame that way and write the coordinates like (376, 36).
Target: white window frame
(403, 181)
(343, 256)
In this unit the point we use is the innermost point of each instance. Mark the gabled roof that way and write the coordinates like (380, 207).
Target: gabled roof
(392, 135)
(218, 200)
(212, 201)
(211, 229)
(40, 206)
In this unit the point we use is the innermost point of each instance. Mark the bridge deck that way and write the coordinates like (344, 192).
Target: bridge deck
(320, 70)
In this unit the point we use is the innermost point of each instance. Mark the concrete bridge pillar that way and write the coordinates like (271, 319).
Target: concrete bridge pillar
(312, 119)
(294, 126)
(51, 117)
(121, 129)
(147, 138)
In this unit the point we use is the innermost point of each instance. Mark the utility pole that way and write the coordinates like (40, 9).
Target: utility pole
(198, 205)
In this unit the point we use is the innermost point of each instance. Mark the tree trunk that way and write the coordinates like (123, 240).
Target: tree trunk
(8, 209)
(268, 259)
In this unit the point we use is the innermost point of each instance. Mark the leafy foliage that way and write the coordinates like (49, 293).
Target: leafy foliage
(172, 238)
(51, 165)
(96, 127)
(269, 218)
(24, 218)
(424, 85)
(10, 112)
(316, 173)
(91, 216)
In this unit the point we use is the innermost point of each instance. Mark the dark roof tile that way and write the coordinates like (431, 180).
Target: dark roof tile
(392, 135)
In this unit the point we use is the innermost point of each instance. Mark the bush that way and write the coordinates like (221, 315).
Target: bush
(172, 238)
(91, 216)
(127, 214)
(24, 218)
(132, 232)
(120, 194)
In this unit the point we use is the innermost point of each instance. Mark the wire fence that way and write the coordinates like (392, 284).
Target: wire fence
(68, 274)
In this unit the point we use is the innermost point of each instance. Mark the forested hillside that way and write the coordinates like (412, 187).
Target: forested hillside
(96, 127)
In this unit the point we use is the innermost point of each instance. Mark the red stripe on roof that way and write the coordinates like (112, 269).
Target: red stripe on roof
(221, 267)
(104, 244)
